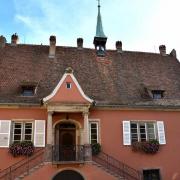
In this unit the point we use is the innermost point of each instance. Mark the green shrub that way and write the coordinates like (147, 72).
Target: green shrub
(96, 148)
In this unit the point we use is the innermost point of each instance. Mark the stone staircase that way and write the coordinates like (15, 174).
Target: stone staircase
(31, 171)
(24, 167)
(108, 171)
(116, 168)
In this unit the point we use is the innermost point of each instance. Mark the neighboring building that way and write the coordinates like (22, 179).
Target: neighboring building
(65, 98)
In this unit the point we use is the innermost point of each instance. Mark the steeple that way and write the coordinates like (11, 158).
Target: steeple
(100, 38)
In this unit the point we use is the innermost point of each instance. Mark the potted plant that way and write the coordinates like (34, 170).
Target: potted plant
(96, 148)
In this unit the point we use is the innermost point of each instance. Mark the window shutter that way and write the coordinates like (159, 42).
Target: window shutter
(161, 132)
(5, 126)
(39, 133)
(126, 133)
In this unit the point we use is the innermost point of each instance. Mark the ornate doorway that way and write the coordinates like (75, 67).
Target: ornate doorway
(66, 141)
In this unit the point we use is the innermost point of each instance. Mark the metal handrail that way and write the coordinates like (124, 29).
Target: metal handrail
(117, 167)
(67, 153)
(23, 166)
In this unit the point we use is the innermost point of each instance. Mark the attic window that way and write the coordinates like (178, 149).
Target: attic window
(68, 85)
(28, 90)
(157, 94)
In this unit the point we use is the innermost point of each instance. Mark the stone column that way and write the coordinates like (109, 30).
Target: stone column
(87, 146)
(86, 128)
(49, 128)
(48, 154)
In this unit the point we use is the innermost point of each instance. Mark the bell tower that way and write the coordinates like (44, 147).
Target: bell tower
(100, 38)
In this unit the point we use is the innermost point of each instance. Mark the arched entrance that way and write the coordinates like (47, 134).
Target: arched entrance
(65, 140)
(68, 175)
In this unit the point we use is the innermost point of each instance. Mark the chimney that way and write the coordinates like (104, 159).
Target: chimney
(52, 48)
(119, 46)
(162, 50)
(79, 43)
(173, 53)
(14, 39)
(2, 41)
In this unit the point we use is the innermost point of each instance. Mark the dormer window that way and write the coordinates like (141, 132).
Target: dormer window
(157, 94)
(68, 85)
(28, 90)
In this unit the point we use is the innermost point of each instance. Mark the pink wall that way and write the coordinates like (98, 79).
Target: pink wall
(6, 158)
(23, 113)
(167, 159)
(68, 95)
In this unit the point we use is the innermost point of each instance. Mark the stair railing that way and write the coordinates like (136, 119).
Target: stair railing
(23, 166)
(119, 168)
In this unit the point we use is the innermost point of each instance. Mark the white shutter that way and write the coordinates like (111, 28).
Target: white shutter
(5, 126)
(126, 133)
(161, 132)
(39, 133)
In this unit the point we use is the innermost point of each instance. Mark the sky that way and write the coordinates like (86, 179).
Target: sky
(141, 25)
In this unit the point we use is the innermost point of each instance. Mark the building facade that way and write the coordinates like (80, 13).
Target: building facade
(67, 99)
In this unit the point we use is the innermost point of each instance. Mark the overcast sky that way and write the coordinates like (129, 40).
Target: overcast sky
(141, 25)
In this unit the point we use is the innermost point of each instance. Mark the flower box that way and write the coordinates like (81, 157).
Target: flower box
(149, 147)
(21, 148)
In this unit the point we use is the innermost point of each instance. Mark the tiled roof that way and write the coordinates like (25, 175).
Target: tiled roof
(117, 79)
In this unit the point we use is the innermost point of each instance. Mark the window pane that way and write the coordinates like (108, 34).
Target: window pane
(143, 137)
(133, 125)
(151, 174)
(27, 137)
(93, 141)
(134, 132)
(17, 131)
(93, 136)
(93, 125)
(93, 131)
(17, 137)
(28, 125)
(28, 131)
(17, 125)
(151, 136)
(151, 131)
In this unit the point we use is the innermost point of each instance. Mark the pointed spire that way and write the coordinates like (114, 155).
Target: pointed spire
(99, 27)
(100, 38)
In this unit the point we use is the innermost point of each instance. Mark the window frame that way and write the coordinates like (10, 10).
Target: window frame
(145, 123)
(68, 85)
(22, 131)
(97, 129)
(152, 169)
(157, 94)
(28, 88)
(32, 132)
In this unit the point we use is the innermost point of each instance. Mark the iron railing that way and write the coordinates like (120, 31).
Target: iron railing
(23, 166)
(68, 153)
(117, 167)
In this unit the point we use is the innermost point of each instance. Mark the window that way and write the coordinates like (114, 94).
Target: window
(151, 174)
(28, 90)
(22, 131)
(157, 94)
(94, 132)
(142, 131)
(68, 85)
